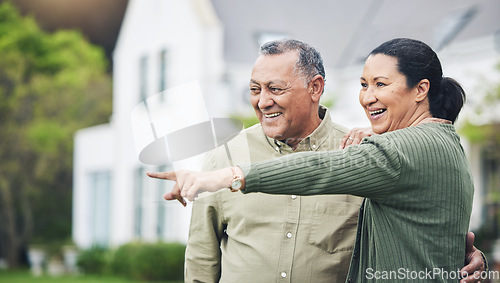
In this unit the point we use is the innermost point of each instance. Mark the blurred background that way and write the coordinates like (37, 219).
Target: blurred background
(74, 198)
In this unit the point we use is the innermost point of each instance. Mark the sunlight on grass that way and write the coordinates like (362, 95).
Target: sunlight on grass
(25, 276)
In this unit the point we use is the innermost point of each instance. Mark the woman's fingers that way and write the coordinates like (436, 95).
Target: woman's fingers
(191, 193)
(357, 139)
(346, 140)
(189, 183)
(175, 194)
(355, 136)
(163, 175)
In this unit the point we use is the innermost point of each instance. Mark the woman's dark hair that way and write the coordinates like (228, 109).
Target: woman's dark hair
(417, 61)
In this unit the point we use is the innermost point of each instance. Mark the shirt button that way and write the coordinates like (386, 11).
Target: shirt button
(314, 146)
(288, 235)
(277, 148)
(294, 196)
(349, 280)
(283, 274)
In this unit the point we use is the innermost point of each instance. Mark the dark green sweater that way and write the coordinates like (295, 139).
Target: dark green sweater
(419, 194)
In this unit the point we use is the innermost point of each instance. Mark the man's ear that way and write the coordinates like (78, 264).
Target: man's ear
(422, 90)
(316, 87)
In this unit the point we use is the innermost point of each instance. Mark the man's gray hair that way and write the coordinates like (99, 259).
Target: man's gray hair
(309, 63)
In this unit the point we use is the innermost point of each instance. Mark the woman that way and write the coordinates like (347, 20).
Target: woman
(414, 174)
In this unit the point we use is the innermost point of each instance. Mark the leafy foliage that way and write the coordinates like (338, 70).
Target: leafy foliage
(139, 261)
(50, 86)
(484, 113)
(483, 128)
(94, 260)
(487, 130)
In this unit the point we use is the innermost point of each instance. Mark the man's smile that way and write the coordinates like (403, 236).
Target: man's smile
(272, 115)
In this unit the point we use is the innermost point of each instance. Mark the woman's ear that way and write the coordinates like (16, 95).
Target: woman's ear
(316, 87)
(422, 90)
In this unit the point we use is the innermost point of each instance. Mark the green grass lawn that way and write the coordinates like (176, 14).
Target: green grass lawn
(25, 276)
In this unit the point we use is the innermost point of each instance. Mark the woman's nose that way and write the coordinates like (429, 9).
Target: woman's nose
(367, 97)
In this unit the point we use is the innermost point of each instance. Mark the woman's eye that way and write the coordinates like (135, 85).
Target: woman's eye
(380, 84)
(364, 85)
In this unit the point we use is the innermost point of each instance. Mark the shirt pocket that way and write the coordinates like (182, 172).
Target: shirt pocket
(333, 226)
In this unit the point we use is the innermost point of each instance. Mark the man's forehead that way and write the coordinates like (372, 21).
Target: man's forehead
(268, 82)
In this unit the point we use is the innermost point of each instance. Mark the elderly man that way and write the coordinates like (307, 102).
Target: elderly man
(267, 238)
(276, 238)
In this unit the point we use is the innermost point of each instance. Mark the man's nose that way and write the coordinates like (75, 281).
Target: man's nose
(265, 99)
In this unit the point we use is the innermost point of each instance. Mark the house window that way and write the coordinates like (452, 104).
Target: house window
(138, 206)
(143, 78)
(162, 80)
(161, 211)
(100, 186)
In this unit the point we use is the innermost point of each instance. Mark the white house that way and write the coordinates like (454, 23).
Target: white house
(161, 44)
(167, 43)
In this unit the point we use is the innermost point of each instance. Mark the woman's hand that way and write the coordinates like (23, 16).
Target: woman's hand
(189, 184)
(355, 136)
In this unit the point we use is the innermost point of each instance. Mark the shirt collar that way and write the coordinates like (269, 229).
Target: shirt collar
(434, 120)
(310, 143)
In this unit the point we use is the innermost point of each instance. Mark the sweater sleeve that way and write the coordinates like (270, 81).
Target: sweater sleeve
(371, 169)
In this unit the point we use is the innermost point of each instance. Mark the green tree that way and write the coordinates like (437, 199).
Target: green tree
(51, 84)
(482, 127)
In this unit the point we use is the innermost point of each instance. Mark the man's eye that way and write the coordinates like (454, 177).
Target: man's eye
(275, 89)
(254, 90)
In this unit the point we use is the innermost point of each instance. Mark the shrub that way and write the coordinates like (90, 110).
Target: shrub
(94, 260)
(147, 261)
(123, 260)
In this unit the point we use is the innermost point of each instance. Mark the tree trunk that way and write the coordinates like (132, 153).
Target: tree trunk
(12, 241)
